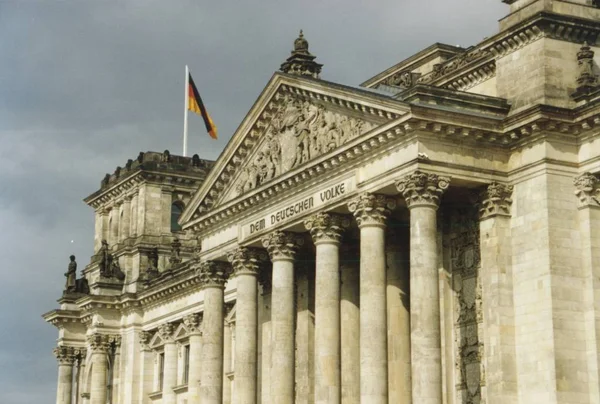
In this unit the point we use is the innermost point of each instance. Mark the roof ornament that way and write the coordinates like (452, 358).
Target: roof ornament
(301, 62)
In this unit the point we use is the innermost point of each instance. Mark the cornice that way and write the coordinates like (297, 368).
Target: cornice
(59, 318)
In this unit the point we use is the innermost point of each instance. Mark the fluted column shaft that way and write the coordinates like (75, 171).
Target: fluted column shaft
(64, 389)
(326, 231)
(350, 323)
(99, 345)
(421, 192)
(246, 264)
(170, 363)
(192, 323)
(282, 248)
(212, 276)
(371, 212)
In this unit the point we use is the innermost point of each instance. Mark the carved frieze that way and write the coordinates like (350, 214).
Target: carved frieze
(404, 79)
(454, 64)
(298, 131)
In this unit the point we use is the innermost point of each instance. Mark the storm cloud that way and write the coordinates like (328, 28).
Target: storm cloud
(87, 84)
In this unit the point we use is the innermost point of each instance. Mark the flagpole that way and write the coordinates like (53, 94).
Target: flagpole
(186, 106)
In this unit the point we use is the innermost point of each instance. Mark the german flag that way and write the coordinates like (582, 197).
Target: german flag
(195, 105)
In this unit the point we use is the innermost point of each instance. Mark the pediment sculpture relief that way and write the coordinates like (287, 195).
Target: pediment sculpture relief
(298, 132)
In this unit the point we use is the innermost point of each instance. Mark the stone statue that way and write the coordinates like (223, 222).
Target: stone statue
(175, 257)
(109, 267)
(71, 276)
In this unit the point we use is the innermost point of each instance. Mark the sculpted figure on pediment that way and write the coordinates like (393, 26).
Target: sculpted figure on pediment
(299, 131)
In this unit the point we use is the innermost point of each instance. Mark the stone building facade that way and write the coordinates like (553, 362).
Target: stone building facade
(432, 236)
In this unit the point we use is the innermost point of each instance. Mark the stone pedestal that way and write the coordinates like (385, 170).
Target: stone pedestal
(326, 231)
(422, 192)
(212, 276)
(246, 265)
(64, 389)
(371, 212)
(192, 323)
(282, 248)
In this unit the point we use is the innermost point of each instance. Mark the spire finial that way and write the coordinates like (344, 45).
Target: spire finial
(301, 62)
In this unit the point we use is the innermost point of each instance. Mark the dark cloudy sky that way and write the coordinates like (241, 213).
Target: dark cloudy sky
(87, 84)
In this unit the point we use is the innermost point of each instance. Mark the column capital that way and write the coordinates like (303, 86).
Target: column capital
(213, 274)
(144, 339)
(495, 200)
(371, 209)
(98, 343)
(282, 244)
(193, 322)
(165, 331)
(422, 189)
(247, 260)
(326, 227)
(587, 189)
(65, 355)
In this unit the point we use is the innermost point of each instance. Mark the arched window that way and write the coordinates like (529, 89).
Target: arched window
(176, 210)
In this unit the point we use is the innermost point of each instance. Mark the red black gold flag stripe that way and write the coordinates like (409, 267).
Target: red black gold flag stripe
(195, 105)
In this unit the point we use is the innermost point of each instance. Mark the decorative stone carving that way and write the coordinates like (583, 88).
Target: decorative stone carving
(98, 343)
(109, 267)
(282, 244)
(404, 79)
(71, 275)
(585, 62)
(145, 337)
(326, 227)
(299, 131)
(213, 273)
(65, 355)
(193, 323)
(165, 331)
(247, 260)
(371, 209)
(454, 64)
(175, 257)
(588, 189)
(468, 317)
(301, 62)
(495, 200)
(421, 188)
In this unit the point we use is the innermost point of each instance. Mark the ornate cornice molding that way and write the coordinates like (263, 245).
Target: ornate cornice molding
(495, 200)
(371, 209)
(282, 245)
(247, 260)
(422, 189)
(326, 227)
(213, 274)
(587, 190)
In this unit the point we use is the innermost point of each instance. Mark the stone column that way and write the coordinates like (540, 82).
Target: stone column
(66, 358)
(350, 322)
(99, 346)
(422, 192)
(497, 294)
(133, 219)
(282, 247)
(326, 231)
(265, 365)
(371, 212)
(115, 341)
(213, 275)
(126, 219)
(146, 381)
(170, 363)
(246, 264)
(80, 356)
(192, 323)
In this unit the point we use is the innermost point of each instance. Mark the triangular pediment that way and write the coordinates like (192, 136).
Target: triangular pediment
(181, 332)
(156, 341)
(294, 122)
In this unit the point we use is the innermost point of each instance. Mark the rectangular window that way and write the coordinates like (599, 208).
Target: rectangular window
(161, 370)
(186, 363)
